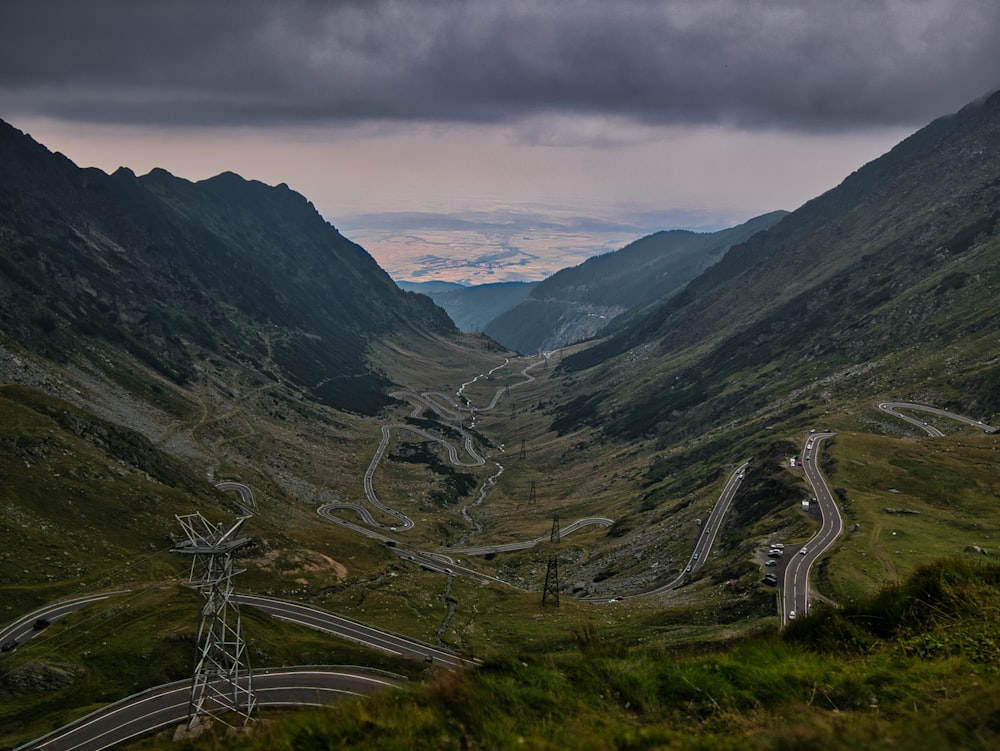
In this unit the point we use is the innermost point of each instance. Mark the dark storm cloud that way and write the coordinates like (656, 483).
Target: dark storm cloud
(812, 64)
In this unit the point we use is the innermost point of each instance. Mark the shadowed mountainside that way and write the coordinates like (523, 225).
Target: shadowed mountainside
(171, 270)
(472, 308)
(581, 301)
(888, 281)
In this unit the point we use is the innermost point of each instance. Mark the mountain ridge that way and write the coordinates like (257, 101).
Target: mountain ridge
(472, 307)
(887, 286)
(580, 302)
(146, 262)
(854, 258)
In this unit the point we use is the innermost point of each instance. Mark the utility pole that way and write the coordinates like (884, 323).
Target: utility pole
(531, 494)
(523, 453)
(222, 680)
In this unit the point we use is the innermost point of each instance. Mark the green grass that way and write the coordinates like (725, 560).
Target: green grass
(143, 638)
(296, 456)
(908, 502)
(910, 667)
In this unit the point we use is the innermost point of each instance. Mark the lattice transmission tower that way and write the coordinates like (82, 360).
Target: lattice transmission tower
(222, 681)
(550, 594)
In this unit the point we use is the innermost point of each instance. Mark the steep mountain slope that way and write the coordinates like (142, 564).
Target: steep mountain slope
(472, 308)
(888, 281)
(887, 288)
(579, 302)
(172, 270)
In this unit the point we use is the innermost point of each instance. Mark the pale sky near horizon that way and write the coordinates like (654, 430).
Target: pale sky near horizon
(479, 141)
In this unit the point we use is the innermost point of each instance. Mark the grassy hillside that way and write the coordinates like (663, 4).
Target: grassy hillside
(912, 666)
(884, 288)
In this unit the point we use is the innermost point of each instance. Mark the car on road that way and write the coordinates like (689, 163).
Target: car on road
(695, 556)
(9, 646)
(41, 623)
(804, 551)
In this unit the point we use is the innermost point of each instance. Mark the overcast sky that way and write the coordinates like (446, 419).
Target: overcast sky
(491, 141)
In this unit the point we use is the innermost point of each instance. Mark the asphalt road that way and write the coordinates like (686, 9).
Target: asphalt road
(247, 502)
(166, 705)
(508, 547)
(169, 704)
(362, 633)
(23, 628)
(709, 530)
(796, 586)
(892, 407)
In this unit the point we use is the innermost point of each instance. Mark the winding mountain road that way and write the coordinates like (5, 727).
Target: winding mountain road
(356, 631)
(709, 530)
(274, 687)
(892, 408)
(169, 704)
(24, 627)
(796, 593)
(447, 408)
(509, 547)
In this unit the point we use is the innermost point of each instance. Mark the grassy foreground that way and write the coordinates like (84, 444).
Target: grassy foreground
(913, 666)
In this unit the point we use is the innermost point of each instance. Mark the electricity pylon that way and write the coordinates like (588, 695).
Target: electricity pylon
(222, 680)
(550, 594)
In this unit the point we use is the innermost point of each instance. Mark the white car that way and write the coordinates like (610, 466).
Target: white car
(804, 551)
